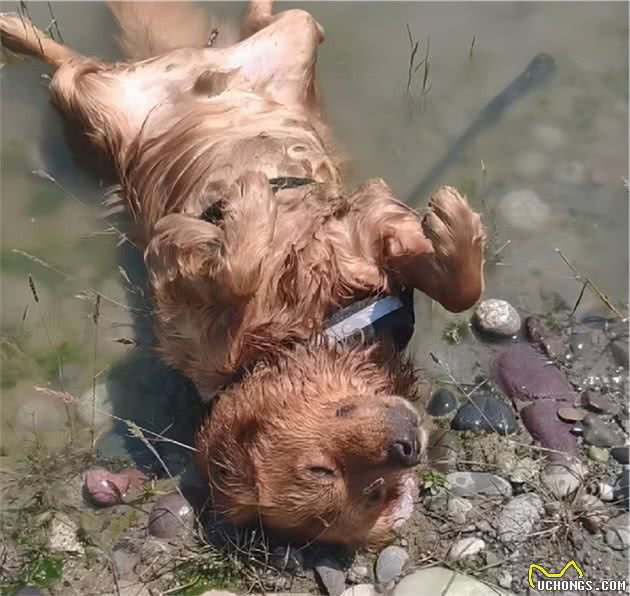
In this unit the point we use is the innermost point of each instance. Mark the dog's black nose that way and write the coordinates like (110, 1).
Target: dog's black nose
(404, 452)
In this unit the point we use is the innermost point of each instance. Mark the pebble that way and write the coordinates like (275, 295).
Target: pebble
(526, 375)
(599, 433)
(457, 509)
(63, 535)
(541, 420)
(29, 591)
(390, 563)
(535, 328)
(600, 403)
(569, 414)
(593, 513)
(440, 580)
(549, 137)
(618, 533)
(519, 518)
(483, 413)
(524, 210)
(330, 574)
(465, 484)
(573, 173)
(466, 547)
(622, 489)
(621, 454)
(497, 317)
(598, 454)
(505, 580)
(442, 402)
(360, 590)
(106, 489)
(562, 479)
(359, 573)
(171, 516)
(605, 492)
(619, 349)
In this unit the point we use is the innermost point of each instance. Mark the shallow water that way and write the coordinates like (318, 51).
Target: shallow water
(567, 142)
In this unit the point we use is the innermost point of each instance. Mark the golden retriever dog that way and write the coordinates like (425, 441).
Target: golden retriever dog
(253, 246)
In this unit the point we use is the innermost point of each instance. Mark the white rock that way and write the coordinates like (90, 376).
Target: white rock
(457, 509)
(390, 563)
(505, 579)
(497, 317)
(63, 535)
(466, 547)
(439, 580)
(606, 492)
(360, 590)
(563, 479)
(524, 210)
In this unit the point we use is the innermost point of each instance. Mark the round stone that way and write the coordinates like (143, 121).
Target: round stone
(390, 563)
(466, 547)
(171, 516)
(621, 454)
(525, 211)
(599, 433)
(569, 414)
(497, 317)
(484, 413)
(562, 479)
(442, 402)
(598, 454)
(596, 402)
(519, 518)
(330, 573)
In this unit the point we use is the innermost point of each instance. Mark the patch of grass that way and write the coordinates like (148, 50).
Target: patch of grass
(47, 360)
(432, 481)
(208, 571)
(42, 569)
(456, 332)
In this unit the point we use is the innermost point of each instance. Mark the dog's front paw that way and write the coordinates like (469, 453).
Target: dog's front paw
(454, 229)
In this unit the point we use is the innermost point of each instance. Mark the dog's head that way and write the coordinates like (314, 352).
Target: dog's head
(315, 449)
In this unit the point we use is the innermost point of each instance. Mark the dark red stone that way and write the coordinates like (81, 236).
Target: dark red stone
(541, 420)
(525, 376)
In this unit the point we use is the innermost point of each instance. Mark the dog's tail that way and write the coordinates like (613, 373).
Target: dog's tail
(154, 28)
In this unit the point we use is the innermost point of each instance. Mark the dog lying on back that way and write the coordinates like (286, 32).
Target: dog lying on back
(252, 244)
